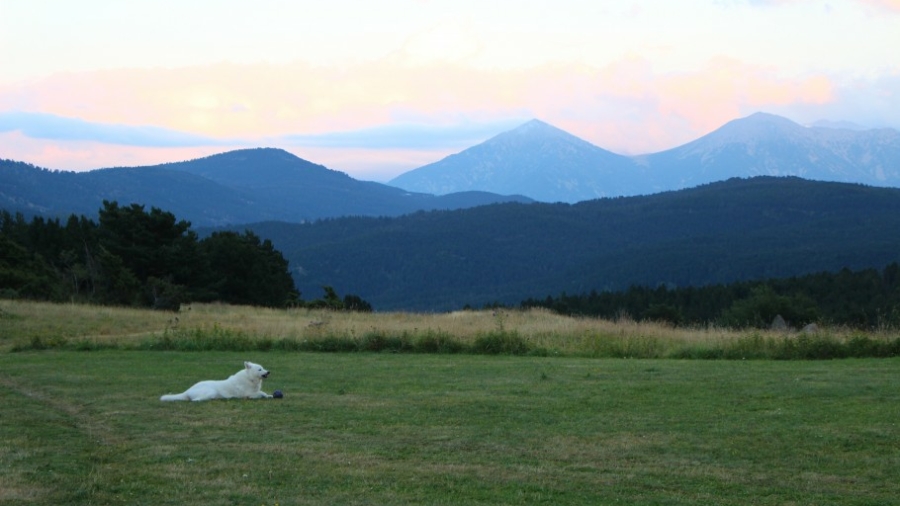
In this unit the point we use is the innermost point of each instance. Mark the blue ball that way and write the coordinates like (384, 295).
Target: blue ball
(277, 394)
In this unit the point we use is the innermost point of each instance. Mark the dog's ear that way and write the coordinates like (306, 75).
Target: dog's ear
(246, 365)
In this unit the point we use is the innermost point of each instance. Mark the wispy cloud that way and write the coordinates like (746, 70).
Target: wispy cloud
(629, 106)
(59, 128)
(406, 136)
(88, 155)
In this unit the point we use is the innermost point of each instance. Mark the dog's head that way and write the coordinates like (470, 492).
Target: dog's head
(256, 370)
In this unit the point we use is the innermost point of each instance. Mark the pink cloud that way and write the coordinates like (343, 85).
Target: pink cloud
(890, 5)
(630, 109)
(727, 89)
(626, 107)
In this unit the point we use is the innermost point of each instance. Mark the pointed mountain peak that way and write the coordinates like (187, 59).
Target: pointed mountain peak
(535, 126)
(534, 123)
(534, 159)
(762, 120)
(763, 116)
(537, 131)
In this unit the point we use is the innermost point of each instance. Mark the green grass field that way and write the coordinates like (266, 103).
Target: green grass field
(86, 427)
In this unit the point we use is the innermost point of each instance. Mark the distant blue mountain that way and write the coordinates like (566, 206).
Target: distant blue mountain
(769, 145)
(535, 159)
(549, 165)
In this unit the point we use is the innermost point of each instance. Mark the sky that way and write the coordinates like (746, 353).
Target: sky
(375, 89)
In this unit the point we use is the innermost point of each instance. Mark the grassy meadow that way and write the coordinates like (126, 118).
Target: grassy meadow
(560, 423)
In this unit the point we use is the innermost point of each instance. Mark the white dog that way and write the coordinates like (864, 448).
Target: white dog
(244, 384)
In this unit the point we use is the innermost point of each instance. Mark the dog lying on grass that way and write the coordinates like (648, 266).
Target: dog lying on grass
(244, 384)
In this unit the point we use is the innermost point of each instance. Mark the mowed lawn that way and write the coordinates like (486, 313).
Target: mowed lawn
(387, 429)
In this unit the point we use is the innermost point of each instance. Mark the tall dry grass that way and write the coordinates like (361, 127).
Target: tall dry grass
(53, 324)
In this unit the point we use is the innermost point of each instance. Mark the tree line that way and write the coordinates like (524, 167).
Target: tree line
(134, 257)
(868, 298)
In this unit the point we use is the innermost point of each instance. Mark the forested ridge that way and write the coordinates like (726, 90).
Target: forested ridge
(736, 230)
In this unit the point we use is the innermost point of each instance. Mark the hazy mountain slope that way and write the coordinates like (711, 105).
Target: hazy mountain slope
(739, 229)
(549, 165)
(535, 159)
(32, 190)
(874, 153)
(764, 144)
(304, 190)
(843, 125)
(230, 188)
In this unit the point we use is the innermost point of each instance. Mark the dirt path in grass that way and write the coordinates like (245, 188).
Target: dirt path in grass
(97, 429)
(24, 448)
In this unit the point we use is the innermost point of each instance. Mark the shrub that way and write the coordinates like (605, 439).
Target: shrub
(376, 341)
(500, 342)
(438, 342)
(861, 346)
(699, 353)
(805, 347)
(331, 344)
(751, 346)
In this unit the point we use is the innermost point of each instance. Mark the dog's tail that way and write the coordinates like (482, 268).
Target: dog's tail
(175, 397)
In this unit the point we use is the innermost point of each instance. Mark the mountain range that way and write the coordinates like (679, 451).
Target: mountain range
(242, 186)
(703, 213)
(550, 165)
(535, 161)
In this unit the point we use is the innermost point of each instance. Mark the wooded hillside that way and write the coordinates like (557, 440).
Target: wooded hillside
(738, 230)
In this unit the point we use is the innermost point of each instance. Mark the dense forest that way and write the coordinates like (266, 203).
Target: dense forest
(137, 258)
(735, 253)
(148, 259)
(733, 231)
(868, 298)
